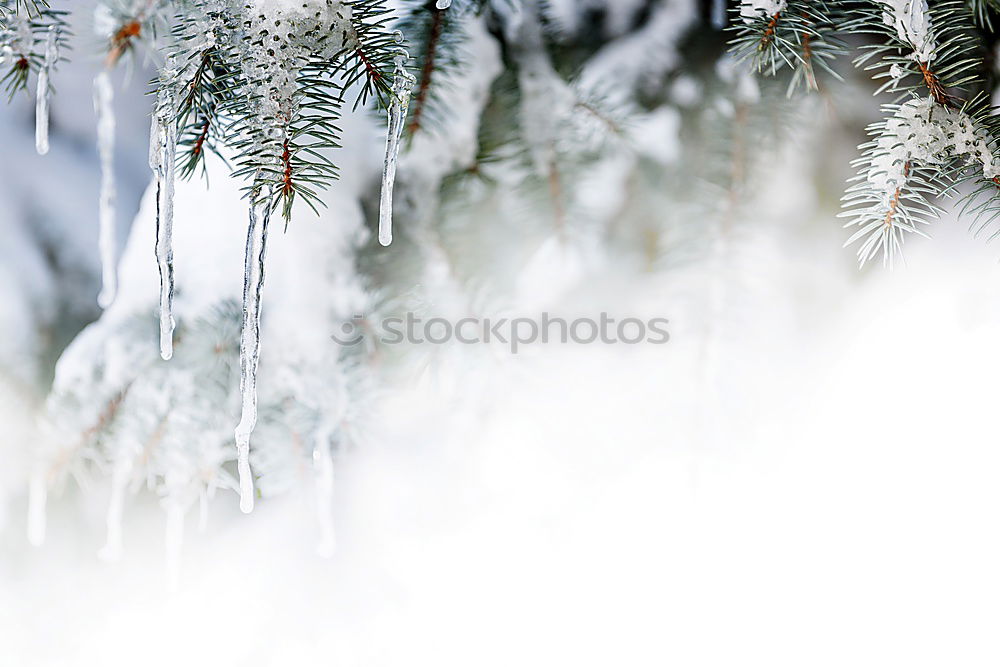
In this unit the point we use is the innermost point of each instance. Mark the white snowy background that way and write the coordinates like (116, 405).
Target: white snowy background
(826, 495)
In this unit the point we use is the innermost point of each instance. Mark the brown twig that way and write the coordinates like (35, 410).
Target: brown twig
(103, 419)
(121, 42)
(765, 40)
(373, 71)
(936, 88)
(427, 72)
(894, 203)
(286, 160)
(196, 151)
(601, 116)
(807, 58)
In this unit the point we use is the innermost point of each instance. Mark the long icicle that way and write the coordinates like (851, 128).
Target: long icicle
(112, 550)
(323, 471)
(402, 84)
(103, 105)
(43, 93)
(253, 282)
(162, 160)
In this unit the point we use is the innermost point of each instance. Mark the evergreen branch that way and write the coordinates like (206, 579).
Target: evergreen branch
(369, 51)
(941, 140)
(427, 70)
(23, 36)
(438, 37)
(27, 8)
(800, 37)
(133, 23)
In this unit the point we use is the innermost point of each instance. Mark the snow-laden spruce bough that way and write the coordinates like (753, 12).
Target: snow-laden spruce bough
(263, 83)
(263, 76)
(940, 134)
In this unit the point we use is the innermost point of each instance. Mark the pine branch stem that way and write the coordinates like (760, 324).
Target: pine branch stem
(427, 72)
(894, 202)
(935, 87)
(121, 42)
(768, 36)
(200, 142)
(807, 58)
(373, 72)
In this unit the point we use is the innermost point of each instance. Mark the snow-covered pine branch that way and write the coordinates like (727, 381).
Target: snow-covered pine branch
(31, 38)
(939, 134)
(795, 34)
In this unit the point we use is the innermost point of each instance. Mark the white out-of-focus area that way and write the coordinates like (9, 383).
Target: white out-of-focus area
(828, 498)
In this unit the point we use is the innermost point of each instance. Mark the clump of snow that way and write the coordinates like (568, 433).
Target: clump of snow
(912, 21)
(282, 37)
(751, 9)
(927, 133)
(318, 27)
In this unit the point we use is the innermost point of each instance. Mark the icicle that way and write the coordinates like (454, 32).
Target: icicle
(402, 83)
(43, 92)
(112, 550)
(154, 142)
(174, 539)
(162, 160)
(103, 101)
(38, 493)
(253, 281)
(323, 468)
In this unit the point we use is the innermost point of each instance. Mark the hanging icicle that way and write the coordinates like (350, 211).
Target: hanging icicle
(43, 93)
(162, 160)
(323, 471)
(112, 550)
(253, 282)
(103, 105)
(402, 83)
